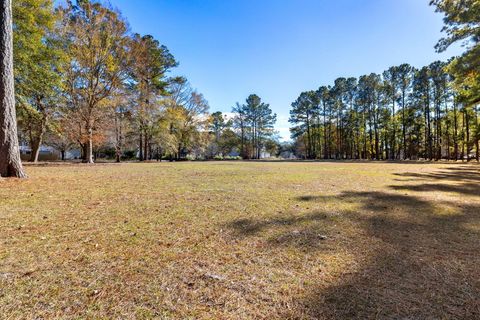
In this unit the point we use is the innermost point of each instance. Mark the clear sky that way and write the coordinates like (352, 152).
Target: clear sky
(229, 49)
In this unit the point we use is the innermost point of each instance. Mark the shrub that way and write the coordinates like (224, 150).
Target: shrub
(232, 158)
(129, 154)
(190, 157)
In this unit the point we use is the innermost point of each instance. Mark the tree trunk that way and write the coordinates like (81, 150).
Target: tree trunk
(447, 123)
(375, 124)
(83, 155)
(394, 136)
(338, 139)
(140, 146)
(467, 124)
(242, 143)
(364, 136)
(35, 146)
(309, 145)
(404, 136)
(118, 137)
(325, 150)
(145, 145)
(36, 143)
(477, 144)
(10, 163)
(430, 147)
(455, 130)
(463, 135)
(89, 154)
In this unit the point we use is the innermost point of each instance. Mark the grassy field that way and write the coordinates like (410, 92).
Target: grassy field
(241, 240)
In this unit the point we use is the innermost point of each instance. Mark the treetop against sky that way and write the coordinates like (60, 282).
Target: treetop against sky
(276, 49)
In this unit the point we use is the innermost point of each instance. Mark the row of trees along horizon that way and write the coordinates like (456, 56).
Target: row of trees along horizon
(405, 113)
(84, 80)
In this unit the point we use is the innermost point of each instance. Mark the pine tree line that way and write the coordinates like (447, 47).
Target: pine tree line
(405, 113)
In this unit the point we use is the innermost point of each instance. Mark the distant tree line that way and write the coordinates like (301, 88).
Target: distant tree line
(405, 113)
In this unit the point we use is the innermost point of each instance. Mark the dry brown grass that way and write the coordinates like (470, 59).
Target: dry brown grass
(241, 240)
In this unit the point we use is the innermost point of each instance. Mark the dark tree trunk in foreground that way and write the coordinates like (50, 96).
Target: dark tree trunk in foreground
(10, 163)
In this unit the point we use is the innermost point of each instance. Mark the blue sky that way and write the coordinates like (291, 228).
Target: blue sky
(229, 49)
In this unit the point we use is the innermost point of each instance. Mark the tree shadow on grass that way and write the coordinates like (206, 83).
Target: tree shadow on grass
(340, 161)
(293, 230)
(457, 174)
(422, 266)
(471, 188)
(463, 180)
(416, 258)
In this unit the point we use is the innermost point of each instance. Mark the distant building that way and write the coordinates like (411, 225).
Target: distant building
(47, 153)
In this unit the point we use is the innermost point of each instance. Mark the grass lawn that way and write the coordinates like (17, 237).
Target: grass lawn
(241, 240)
